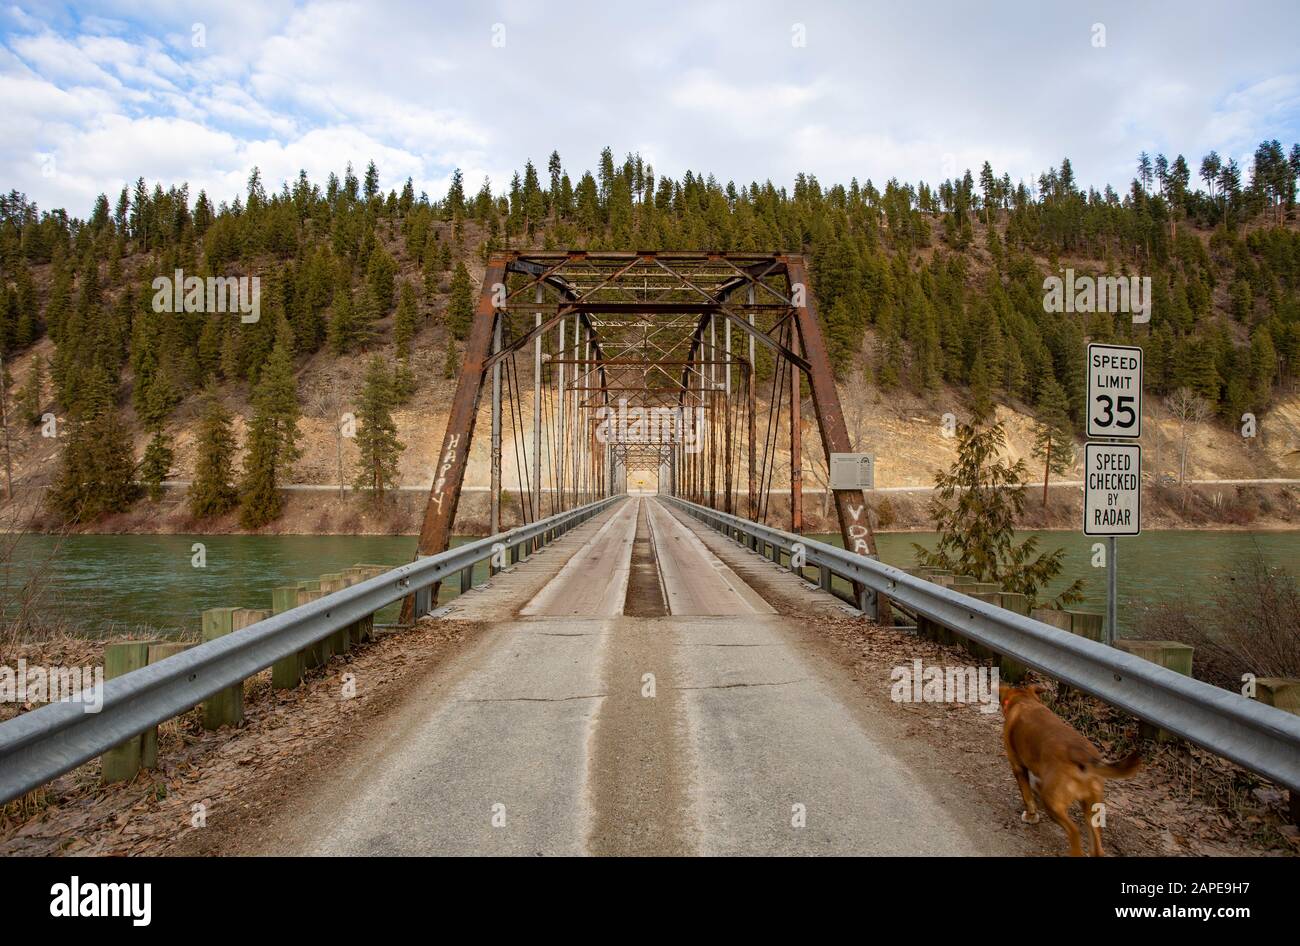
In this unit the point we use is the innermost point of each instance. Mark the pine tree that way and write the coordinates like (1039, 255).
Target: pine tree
(211, 491)
(344, 333)
(460, 308)
(380, 274)
(156, 465)
(372, 181)
(403, 379)
(975, 508)
(97, 472)
(981, 386)
(405, 322)
(377, 441)
(1053, 434)
(451, 364)
(32, 395)
(272, 436)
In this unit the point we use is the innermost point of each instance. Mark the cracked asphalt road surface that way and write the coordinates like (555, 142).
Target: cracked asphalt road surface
(613, 709)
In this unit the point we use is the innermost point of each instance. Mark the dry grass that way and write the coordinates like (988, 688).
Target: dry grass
(1249, 626)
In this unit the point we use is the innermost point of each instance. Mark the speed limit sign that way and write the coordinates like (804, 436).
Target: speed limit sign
(1114, 391)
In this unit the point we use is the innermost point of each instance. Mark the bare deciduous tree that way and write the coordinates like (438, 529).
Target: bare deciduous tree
(1188, 408)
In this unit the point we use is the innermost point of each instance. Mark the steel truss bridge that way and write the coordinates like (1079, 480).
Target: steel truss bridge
(644, 361)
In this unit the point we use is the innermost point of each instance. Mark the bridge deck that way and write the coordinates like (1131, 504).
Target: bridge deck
(547, 722)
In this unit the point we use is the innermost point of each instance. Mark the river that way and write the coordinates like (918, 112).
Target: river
(149, 584)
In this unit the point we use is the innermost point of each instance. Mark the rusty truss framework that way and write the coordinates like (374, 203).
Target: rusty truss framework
(643, 361)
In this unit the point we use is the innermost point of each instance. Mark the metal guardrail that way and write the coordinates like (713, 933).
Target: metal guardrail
(1256, 736)
(43, 744)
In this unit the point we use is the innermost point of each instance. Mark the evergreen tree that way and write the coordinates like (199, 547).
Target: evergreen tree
(272, 436)
(372, 181)
(451, 364)
(344, 331)
(1053, 433)
(981, 386)
(211, 491)
(460, 308)
(380, 274)
(32, 395)
(377, 441)
(405, 322)
(975, 508)
(403, 379)
(156, 465)
(97, 468)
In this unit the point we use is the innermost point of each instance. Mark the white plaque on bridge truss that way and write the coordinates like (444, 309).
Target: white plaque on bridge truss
(1114, 391)
(853, 471)
(1112, 493)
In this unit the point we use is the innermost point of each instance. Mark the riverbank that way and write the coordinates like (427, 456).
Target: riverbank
(321, 510)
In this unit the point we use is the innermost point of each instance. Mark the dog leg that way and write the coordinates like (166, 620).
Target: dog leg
(1090, 813)
(1030, 814)
(1061, 815)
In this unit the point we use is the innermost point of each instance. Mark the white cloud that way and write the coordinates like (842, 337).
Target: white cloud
(713, 86)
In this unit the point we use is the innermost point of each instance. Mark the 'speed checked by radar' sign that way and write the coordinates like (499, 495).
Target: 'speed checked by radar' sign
(1112, 496)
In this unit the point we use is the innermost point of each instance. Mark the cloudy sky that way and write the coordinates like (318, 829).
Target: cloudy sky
(97, 94)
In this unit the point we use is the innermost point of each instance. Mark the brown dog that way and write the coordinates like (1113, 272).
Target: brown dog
(1049, 757)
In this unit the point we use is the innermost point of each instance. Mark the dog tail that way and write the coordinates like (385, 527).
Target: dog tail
(1125, 768)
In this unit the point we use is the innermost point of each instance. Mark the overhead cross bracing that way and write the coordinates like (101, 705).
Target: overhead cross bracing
(646, 363)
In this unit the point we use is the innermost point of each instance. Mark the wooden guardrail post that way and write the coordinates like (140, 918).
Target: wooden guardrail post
(1284, 694)
(1280, 692)
(340, 640)
(1088, 624)
(1172, 655)
(226, 707)
(320, 652)
(993, 597)
(1013, 671)
(123, 761)
(286, 673)
(149, 745)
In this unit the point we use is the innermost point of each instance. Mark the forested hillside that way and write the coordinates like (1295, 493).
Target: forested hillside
(919, 285)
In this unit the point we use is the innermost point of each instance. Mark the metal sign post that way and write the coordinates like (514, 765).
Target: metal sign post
(1112, 498)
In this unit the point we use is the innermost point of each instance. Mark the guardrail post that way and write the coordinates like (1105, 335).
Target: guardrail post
(149, 744)
(824, 577)
(869, 603)
(466, 579)
(975, 648)
(423, 601)
(320, 652)
(1172, 655)
(123, 761)
(1088, 624)
(286, 673)
(1013, 671)
(962, 584)
(226, 707)
(247, 617)
(1282, 693)
(340, 640)
(1062, 621)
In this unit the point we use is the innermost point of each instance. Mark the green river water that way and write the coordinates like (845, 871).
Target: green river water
(102, 583)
